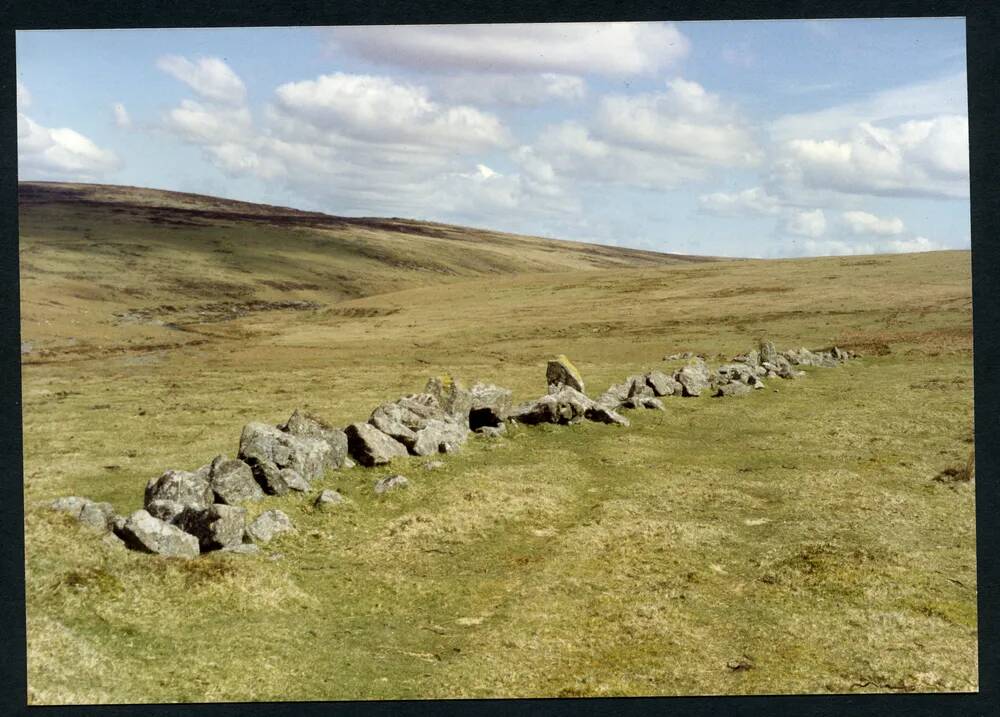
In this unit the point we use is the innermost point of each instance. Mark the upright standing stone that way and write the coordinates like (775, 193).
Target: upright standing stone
(561, 372)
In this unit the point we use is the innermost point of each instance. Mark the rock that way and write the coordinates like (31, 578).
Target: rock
(232, 482)
(637, 387)
(433, 465)
(113, 541)
(615, 396)
(493, 431)
(261, 443)
(328, 499)
(565, 406)
(439, 437)
(348, 463)
(734, 388)
(561, 372)
(269, 525)
(679, 357)
(165, 510)
(189, 489)
(391, 483)
(402, 419)
(451, 397)
(767, 352)
(653, 403)
(294, 481)
(840, 354)
(662, 384)
(370, 447)
(217, 526)
(693, 378)
(147, 534)
(97, 515)
(241, 549)
(490, 405)
(72, 505)
(602, 414)
(305, 425)
(118, 524)
(751, 358)
(269, 477)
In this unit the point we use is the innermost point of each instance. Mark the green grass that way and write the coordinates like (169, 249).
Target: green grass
(798, 531)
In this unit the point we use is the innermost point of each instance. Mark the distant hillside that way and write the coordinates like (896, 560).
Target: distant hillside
(104, 264)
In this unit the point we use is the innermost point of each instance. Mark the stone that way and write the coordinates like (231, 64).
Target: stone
(241, 549)
(734, 388)
(293, 480)
(433, 465)
(391, 483)
(217, 526)
(72, 505)
(451, 396)
(328, 499)
(307, 456)
(190, 489)
(402, 418)
(113, 542)
(490, 405)
(268, 525)
(662, 384)
(751, 358)
(566, 405)
(269, 477)
(637, 387)
(652, 403)
(679, 357)
(349, 463)
(165, 510)
(439, 437)
(147, 534)
(561, 372)
(493, 431)
(371, 447)
(693, 378)
(98, 516)
(615, 396)
(602, 414)
(767, 351)
(305, 425)
(232, 482)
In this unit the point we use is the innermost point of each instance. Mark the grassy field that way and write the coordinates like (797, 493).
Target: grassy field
(795, 540)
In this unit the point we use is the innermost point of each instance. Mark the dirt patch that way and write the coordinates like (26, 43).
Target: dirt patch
(746, 290)
(209, 313)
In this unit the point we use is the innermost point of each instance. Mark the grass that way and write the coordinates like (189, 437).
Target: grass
(795, 540)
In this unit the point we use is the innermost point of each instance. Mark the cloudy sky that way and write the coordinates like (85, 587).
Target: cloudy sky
(757, 138)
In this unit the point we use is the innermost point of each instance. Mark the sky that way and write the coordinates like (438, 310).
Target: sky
(728, 138)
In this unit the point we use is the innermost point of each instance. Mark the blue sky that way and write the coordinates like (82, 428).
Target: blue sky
(754, 138)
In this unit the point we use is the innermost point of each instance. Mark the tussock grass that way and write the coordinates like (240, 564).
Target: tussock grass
(794, 540)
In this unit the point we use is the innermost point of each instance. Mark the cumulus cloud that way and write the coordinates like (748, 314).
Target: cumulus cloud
(749, 202)
(608, 48)
(864, 223)
(23, 97)
(928, 158)
(511, 89)
(122, 118)
(210, 77)
(843, 247)
(60, 153)
(806, 223)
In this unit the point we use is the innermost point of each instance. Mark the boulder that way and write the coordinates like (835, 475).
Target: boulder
(493, 431)
(490, 405)
(402, 418)
(71, 505)
(328, 499)
(767, 351)
(305, 425)
(734, 388)
(293, 480)
(241, 549)
(439, 437)
(260, 443)
(839, 354)
(602, 414)
(567, 405)
(232, 482)
(561, 372)
(217, 526)
(165, 510)
(190, 489)
(97, 515)
(693, 378)
(269, 525)
(391, 483)
(451, 396)
(651, 402)
(751, 358)
(615, 396)
(141, 531)
(371, 447)
(433, 465)
(662, 384)
(638, 387)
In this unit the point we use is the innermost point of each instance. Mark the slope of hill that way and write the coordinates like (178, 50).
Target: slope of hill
(116, 267)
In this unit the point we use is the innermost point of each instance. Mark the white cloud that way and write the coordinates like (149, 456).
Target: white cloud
(606, 48)
(864, 223)
(59, 153)
(23, 97)
(381, 110)
(210, 77)
(511, 89)
(749, 202)
(806, 223)
(208, 124)
(912, 245)
(916, 158)
(122, 118)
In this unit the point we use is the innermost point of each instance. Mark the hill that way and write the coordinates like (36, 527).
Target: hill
(794, 540)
